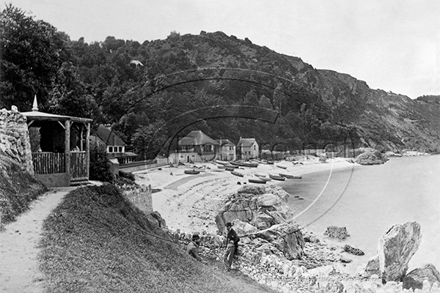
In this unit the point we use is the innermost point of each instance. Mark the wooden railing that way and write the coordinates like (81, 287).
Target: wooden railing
(49, 163)
(78, 165)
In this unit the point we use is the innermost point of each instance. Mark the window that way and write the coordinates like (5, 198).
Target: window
(207, 148)
(120, 149)
(110, 149)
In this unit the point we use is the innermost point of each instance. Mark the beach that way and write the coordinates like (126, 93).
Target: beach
(191, 202)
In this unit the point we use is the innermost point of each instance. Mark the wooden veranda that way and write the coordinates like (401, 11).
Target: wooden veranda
(60, 148)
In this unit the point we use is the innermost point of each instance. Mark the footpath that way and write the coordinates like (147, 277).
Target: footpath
(19, 270)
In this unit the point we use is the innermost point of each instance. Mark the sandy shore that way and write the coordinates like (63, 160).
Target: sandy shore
(191, 202)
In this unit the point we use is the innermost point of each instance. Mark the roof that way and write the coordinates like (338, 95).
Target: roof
(197, 137)
(108, 136)
(224, 141)
(41, 116)
(246, 142)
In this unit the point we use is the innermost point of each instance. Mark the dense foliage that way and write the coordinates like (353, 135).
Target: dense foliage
(99, 164)
(157, 91)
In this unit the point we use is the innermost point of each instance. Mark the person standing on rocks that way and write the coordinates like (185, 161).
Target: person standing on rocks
(232, 240)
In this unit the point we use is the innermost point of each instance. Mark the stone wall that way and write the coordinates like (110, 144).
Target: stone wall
(14, 138)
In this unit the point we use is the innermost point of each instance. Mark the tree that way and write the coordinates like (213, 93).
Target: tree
(148, 140)
(68, 95)
(32, 52)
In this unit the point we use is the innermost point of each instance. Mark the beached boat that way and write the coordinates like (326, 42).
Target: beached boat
(222, 162)
(277, 177)
(245, 164)
(237, 173)
(230, 168)
(286, 175)
(281, 166)
(297, 177)
(220, 166)
(260, 175)
(257, 180)
(193, 172)
(270, 162)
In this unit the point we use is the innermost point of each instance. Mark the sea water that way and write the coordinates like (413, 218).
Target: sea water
(368, 200)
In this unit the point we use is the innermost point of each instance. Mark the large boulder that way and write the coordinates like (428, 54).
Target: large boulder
(243, 228)
(371, 157)
(262, 206)
(287, 238)
(414, 279)
(395, 250)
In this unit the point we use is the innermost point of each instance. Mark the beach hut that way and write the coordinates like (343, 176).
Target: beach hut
(60, 147)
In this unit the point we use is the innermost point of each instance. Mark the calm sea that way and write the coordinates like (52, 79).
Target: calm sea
(368, 200)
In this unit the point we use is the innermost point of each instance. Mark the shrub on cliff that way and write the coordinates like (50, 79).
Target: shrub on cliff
(99, 164)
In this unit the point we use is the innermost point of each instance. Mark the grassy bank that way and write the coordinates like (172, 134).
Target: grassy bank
(96, 241)
(17, 190)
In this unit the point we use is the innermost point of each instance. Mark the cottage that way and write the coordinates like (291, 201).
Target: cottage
(195, 147)
(247, 148)
(114, 145)
(226, 150)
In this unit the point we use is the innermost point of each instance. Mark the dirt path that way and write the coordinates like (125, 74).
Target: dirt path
(18, 245)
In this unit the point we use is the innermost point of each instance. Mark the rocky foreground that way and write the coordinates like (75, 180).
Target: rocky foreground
(277, 252)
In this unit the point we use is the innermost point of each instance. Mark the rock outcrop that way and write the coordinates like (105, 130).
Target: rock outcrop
(353, 250)
(261, 206)
(395, 250)
(14, 138)
(414, 279)
(371, 157)
(337, 232)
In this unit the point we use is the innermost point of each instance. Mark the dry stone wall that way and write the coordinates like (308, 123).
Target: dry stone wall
(14, 138)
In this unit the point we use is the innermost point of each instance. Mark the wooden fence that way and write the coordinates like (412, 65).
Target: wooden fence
(78, 165)
(49, 163)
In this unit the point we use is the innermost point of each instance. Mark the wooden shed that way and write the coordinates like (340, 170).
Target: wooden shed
(60, 147)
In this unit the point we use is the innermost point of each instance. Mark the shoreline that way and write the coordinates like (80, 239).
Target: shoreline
(196, 199)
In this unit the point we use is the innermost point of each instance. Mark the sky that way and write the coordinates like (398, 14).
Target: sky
(393, 45)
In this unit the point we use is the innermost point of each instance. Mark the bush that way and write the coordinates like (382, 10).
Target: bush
(99, 164)
(127, 175)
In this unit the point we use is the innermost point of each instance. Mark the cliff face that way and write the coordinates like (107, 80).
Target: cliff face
(383, 120)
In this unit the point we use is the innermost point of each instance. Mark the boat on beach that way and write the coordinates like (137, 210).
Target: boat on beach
(277, 177)
(245, 164)
(290, 176)
(222, 162)
(281, 166)
(237, 173)
(192, 172)
(257, 180)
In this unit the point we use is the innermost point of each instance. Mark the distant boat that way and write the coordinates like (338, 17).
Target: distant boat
(290, 176)
(245, 164)
(257, 180)
(220, 166)
(237, 173)
(270, 162)
(222, 162)
(193, 172)
(260, 175)
(281, 166)
(276, 177)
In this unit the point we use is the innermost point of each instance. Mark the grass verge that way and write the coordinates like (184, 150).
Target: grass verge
(97, 241)
(17, 190)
